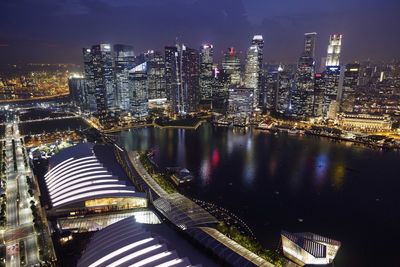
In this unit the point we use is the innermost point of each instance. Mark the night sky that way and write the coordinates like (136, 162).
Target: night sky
(54, 31)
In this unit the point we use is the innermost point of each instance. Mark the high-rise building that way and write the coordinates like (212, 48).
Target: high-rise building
(138, 95)
(285, 84)
(99, 68)
(350, 82)
(156, 76)
(182, 78)
(319, 90)
(124, 61)
(252, 73)
(89, 77)
(334, 49)
(331, 86)
(171, 70)
(78, 91)
(240, 102)
(303, 94)
(259, 42)
(206, 72)
(231, 66)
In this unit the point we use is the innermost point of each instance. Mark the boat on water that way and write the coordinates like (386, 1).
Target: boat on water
(180, 176)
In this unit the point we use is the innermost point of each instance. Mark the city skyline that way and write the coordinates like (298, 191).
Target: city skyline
(80, 23)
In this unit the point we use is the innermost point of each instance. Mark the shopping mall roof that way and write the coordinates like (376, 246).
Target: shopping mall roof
(85, 172)
(127, 243)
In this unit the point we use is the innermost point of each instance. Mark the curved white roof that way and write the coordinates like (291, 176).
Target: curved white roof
(126, 243)
(78, 175)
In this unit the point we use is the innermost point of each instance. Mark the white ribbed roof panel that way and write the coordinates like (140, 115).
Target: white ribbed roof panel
(79, 175)
(126, 243)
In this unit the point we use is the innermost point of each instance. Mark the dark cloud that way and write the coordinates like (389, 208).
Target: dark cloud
(56, 30)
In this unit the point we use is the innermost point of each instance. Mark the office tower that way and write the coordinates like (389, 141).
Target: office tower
(350, 82)
(285, 84)
(103, 75)
(171, 70)
(334, 49)
(220, 85)
(252, 72)
(240, 102)
(138, 94)
(89, 77)
(190, 79)
(259, 42)
(206, 72)
(124, 62)
(231, 66)
(156, 76)
(182, 78)
(331, 86)
(303, 94)
(319, 90)
(271, 87)
(78, 91)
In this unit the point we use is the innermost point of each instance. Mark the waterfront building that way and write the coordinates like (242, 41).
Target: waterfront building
(124, 61)
(240, 102)
(270, 90)
(350, 83)
(334, 50)
(252, 72)
(206, 72)
(332, 110)
(365, 122)
(302, 98)
(231, 66)
(138, 98)
(128, 243)
(309, 248)
(182, 78)
(284, 87)
(156, 76)
(84, 179)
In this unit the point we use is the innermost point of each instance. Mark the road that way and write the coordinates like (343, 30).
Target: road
(19, 214)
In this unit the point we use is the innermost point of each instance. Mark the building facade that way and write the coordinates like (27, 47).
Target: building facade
(139, 101)
(124, 62)
(206, 72)
(231, 66)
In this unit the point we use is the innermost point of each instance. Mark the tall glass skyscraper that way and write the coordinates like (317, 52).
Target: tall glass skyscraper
(124, 62)
(303, 94)
(252, 72)
(334, 49)
(206, 71)
(182, 78)
(138, 94)
(350, 82)
(156, 75)
(231, 66)
(99, 68)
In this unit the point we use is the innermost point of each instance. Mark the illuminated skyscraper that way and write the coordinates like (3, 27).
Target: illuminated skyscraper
(350, 82)
(231, 66)
(124, 61)
(206, 71)
(156, 76)
(99, 68)
(89, 79)
(319, 90)
(334, 49)
(252, 72)
(182, 78)
(331, 87)
(138, 96)
(259, 42)
(303, 94)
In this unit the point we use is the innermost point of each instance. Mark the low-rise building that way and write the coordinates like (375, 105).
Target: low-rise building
(365, 122)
